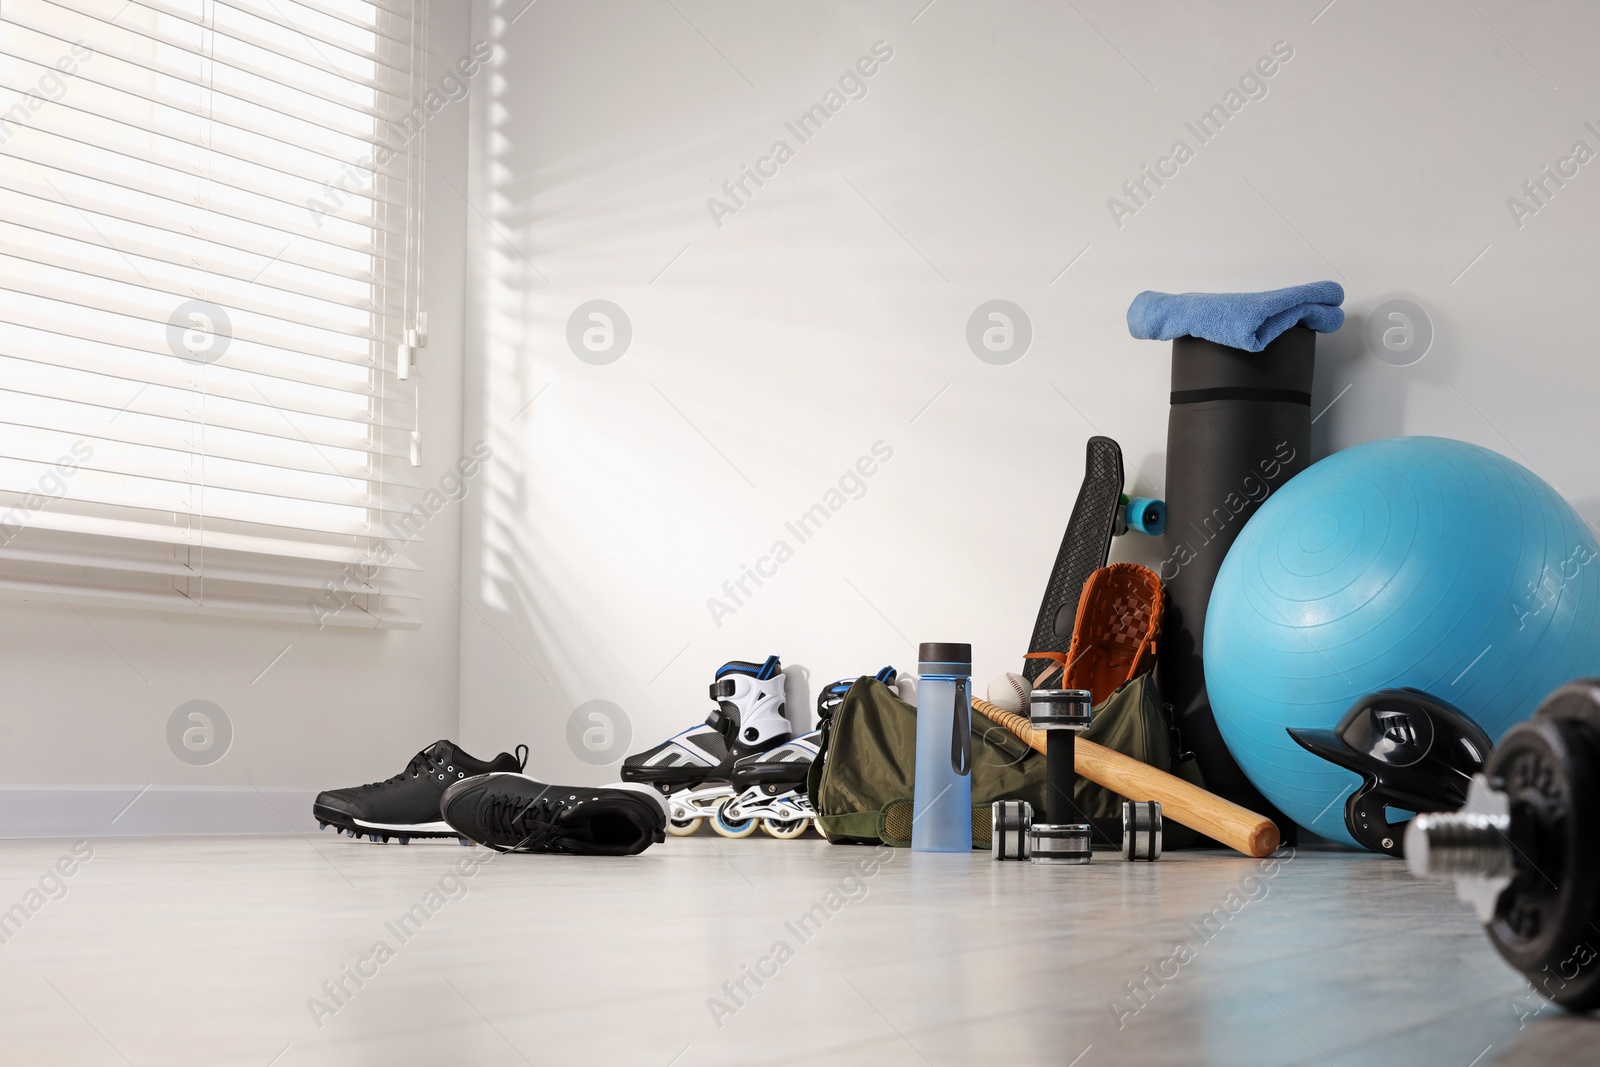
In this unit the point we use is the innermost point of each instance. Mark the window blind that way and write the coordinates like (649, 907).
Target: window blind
(209, 279)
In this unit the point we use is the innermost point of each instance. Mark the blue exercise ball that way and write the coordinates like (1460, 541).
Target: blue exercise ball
(1410, 561)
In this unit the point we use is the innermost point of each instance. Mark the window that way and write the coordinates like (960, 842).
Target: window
(209, 273)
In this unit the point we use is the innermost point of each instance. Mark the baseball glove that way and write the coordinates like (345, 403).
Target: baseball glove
(1114, 635)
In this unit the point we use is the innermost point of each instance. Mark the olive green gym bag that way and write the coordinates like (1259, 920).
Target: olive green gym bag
(861, 781)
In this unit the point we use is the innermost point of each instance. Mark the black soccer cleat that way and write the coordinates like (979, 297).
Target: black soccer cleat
(515, 813)
(407, 805)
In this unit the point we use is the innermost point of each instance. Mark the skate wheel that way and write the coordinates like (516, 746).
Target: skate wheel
(1146, 516)
(785, 831)
(734, 828)
(684, 829)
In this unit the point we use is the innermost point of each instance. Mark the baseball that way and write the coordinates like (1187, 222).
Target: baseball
(1011, 692)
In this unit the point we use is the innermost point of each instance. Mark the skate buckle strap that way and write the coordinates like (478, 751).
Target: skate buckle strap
(961, 731)
(722, 687)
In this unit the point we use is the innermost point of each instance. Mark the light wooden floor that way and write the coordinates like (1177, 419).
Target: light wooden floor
(209, 951)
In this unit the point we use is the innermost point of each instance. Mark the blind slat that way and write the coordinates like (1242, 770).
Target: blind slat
(118, 265)
(334, 231)
(31, 199)
(211, 391)
(273, 12)
(280, 153)
(242, 29)
(289, 128)
(254, 544)
(381, 583)
(125, 431)
(328, 114)
(145, 467)
(216, 605)
(149, 313)
(245, 56)
(20, 328)
(138, 400)
(202, 504)
(334, 12)
(251, 177)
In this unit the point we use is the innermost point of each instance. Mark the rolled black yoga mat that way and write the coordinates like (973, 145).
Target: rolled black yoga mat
(1240, 427)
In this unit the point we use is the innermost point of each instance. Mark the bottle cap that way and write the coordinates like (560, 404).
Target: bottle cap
(945, 652)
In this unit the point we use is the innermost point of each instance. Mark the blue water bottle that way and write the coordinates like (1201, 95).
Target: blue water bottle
(942, 793)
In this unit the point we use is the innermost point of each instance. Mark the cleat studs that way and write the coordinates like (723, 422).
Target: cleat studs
(464, 842)
(404, 840)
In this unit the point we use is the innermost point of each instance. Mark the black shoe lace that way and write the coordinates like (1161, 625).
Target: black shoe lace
(418, 764)
(518, 823)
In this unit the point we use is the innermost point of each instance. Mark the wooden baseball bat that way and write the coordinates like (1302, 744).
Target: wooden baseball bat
(1219, 819)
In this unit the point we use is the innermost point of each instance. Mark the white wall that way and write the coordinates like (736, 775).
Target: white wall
(828, 313)
(88, 695)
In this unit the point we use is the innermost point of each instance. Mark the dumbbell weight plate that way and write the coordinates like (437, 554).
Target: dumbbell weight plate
(1141, 830)
(1544, 921)
(1060, 843)
(1061, 709)
(1009, 823)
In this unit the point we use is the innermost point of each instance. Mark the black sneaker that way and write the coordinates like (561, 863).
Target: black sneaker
(407, 805)
(515, 813)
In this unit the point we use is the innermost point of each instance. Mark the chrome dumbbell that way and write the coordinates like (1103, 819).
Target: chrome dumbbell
(1141, 830)
(1064, 835)
(1009, 823)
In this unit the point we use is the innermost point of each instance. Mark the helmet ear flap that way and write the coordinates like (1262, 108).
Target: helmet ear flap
(1367, 817)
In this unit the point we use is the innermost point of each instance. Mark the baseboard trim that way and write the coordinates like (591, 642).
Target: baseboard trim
(153, 811)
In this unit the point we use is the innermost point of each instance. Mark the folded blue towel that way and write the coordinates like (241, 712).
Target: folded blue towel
(1250, 321)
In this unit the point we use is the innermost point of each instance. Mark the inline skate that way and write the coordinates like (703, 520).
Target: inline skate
(694, 769)
(771, 786)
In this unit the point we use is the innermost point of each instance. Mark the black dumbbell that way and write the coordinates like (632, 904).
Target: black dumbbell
(1063, 836)
(1524, 850)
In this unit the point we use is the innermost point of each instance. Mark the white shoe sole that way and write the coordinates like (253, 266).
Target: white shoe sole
(440, 827)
